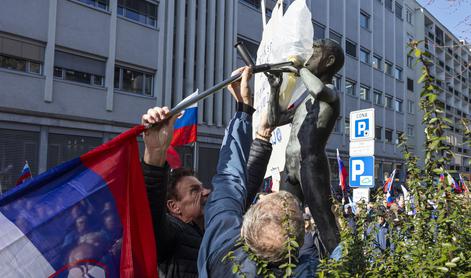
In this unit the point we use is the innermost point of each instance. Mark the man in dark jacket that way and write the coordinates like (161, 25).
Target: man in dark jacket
(176, 201)
(177, 198)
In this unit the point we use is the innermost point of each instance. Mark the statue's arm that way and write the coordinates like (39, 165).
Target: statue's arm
(316, 87)
(277, 117)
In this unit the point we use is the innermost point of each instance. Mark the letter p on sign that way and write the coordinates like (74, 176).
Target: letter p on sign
(358, 168)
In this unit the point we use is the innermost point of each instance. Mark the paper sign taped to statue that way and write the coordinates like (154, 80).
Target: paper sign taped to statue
(284, 36)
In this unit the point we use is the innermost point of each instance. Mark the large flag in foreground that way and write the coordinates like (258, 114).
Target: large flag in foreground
(88, 217)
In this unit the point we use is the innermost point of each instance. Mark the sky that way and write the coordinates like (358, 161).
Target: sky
(454, 14)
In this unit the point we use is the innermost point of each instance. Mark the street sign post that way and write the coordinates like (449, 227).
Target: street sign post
(362, 125)
(361, 171)
(362, 148)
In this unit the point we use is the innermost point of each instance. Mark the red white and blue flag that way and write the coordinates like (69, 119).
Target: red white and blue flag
(389, 188)
(25, 174)
(463, 184)
(455, 187)
(343, 175)
(88, 217)
(185, 131)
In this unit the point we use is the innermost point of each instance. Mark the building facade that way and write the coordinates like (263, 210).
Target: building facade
(76, 73)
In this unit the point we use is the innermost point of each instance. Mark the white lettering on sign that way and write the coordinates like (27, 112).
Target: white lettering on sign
(358, 167)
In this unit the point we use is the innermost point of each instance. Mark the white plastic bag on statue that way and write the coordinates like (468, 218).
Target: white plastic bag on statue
(284, 36)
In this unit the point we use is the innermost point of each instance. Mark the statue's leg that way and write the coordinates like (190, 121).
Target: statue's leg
(293, 186)
(313, 134)
(315, 182)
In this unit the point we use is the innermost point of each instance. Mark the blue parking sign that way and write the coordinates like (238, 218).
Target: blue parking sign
(361, 171)
(362, 124)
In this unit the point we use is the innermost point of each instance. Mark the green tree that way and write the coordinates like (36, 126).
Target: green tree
(436, 241)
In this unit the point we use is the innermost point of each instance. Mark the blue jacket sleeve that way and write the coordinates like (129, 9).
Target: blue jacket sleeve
(226, 204)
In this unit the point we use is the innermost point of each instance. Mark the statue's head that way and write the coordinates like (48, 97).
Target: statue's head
(327, 58)
(264, 230)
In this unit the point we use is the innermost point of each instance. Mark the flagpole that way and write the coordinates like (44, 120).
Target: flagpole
(195, 156)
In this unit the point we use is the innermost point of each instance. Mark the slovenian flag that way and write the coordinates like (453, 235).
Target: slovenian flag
(389, 188)
(25, 174)
(343, 175)
(88, 217)
(185, 130)
(185, 126)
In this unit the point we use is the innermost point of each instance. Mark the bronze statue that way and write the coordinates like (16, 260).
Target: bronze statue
(307, 166)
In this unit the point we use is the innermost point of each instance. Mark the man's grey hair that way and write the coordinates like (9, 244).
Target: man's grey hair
(263, 231)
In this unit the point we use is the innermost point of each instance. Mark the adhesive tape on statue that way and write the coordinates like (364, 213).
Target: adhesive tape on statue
(286, 90)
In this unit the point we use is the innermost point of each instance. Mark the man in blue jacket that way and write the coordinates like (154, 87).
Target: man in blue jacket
(270, 232)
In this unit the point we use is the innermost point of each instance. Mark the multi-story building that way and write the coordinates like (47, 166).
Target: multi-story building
(75, 73)
(451, 60)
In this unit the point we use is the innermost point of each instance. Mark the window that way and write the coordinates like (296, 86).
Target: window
(388, 134)
(388, 101)
(351, 48)
(20, 64)
(319, 31)
(253, 3)
(376, 62)
(364, 93)
(410, 84)
(388, 67)
(251, 47)
(378, 97)
(78, 76)
(337, 82)
(350, 87)
(398, 105)
(16, 147)
(335, 36)
(410, 130)
(347, 126)
(102, 4)
(410, 61)
(378, 131)
(138, 10)
(62, 147)
(398, 136)
(133, 81)
(398, 10)
(410, 106)
(338, 124)
(364, 56)
(388, 4)
(398, 73)
(409, 16)
(364, 20)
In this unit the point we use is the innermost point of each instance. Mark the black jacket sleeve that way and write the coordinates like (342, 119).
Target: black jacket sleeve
(156, 179)
(259, 155)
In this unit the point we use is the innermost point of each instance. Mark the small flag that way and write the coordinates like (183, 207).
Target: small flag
(455, 187)
(352, 205)
(343, 175)
(185, 132)
(442, 179)
(25, 174)
(185, 128)
(87, 217)
(463, 184)
(409, 201)
(389, 188)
